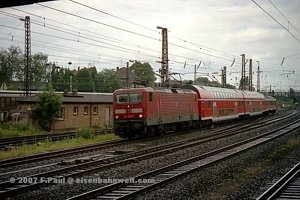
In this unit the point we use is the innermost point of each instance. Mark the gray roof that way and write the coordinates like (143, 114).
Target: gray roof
(79, 98)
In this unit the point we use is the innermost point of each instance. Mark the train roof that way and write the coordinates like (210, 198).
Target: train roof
(270, 98)
(252, 95)
(150, 89)
(207, 92)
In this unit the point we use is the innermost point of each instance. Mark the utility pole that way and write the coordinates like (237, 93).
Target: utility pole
(164, 71)
(223, 77)
(258, 77)
(243, 72)
(195, 73)
(250, 75)
(27, 57)
(127, 75)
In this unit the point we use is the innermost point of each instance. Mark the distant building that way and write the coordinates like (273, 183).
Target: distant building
(78, 110)
(122, 74)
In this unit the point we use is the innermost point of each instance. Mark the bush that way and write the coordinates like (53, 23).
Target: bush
(86, 133)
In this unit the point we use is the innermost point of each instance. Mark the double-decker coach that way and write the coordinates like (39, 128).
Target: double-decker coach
(220, 104)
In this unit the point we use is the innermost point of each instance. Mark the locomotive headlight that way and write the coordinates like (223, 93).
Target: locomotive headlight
(140, 116)
(117, 116)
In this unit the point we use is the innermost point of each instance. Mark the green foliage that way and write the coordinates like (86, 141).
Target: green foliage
(40, 69)
(144, 72)
(27, 149)
(11, 62)
(48, 107)
(106, 81)
(85, 80)
(12, 67)
(10, 129)
(85, 133)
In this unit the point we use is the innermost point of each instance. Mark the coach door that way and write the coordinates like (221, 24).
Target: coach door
(215, 109)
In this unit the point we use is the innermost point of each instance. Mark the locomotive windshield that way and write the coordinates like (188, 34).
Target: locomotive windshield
(128, 98)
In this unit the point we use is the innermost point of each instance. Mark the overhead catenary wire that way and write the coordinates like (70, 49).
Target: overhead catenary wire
(275, 20)
(92, 44)
(154, 50)
(289, 21)
(98, 22)
(196, 56)
(193, 43)
(77, 29)
(75, 34)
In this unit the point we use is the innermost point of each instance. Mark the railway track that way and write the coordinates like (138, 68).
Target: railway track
(7, 188)
(94, 147)
(162, 176)
(64, 152)
(32, 139)
(287, 187)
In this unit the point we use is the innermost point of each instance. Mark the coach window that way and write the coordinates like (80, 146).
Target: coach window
(75, 110)
(150, 96)
(208, 104)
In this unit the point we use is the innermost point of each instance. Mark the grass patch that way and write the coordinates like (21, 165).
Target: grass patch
(45, 146)
(9, 129)
(253, 171)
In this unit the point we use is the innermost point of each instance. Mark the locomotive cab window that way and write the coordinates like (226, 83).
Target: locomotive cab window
(135, 98)
(128, 98)
(121, 98)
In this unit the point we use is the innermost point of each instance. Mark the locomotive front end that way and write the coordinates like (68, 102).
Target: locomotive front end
(129, 112)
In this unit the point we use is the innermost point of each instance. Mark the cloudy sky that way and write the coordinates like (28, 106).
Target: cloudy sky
(108, 33)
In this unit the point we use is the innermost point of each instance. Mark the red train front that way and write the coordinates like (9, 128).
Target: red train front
(145, 111)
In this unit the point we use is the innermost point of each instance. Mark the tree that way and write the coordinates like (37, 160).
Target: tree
(145, 72)
(12, 68)
(85, 81)
(106, 81)
(57, 74)
(11, 63)
(48, 107)
(39, 69)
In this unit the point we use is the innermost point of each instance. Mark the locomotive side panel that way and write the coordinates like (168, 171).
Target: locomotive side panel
(172, 108)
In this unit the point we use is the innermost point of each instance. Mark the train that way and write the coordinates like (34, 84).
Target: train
(147, 111)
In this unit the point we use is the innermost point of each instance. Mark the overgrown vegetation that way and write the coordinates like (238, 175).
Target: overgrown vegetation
(85, 133)
(11, 129)
(48, 107)
(51, 146)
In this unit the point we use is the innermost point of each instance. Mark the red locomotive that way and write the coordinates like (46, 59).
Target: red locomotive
(148, 111)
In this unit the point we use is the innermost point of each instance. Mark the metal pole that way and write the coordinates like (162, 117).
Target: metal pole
(250, 75)
(164, 57)
(127, 75)
(195, 72)
(243, 72)
(27, 57)
(258, 78)
(224, 81)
